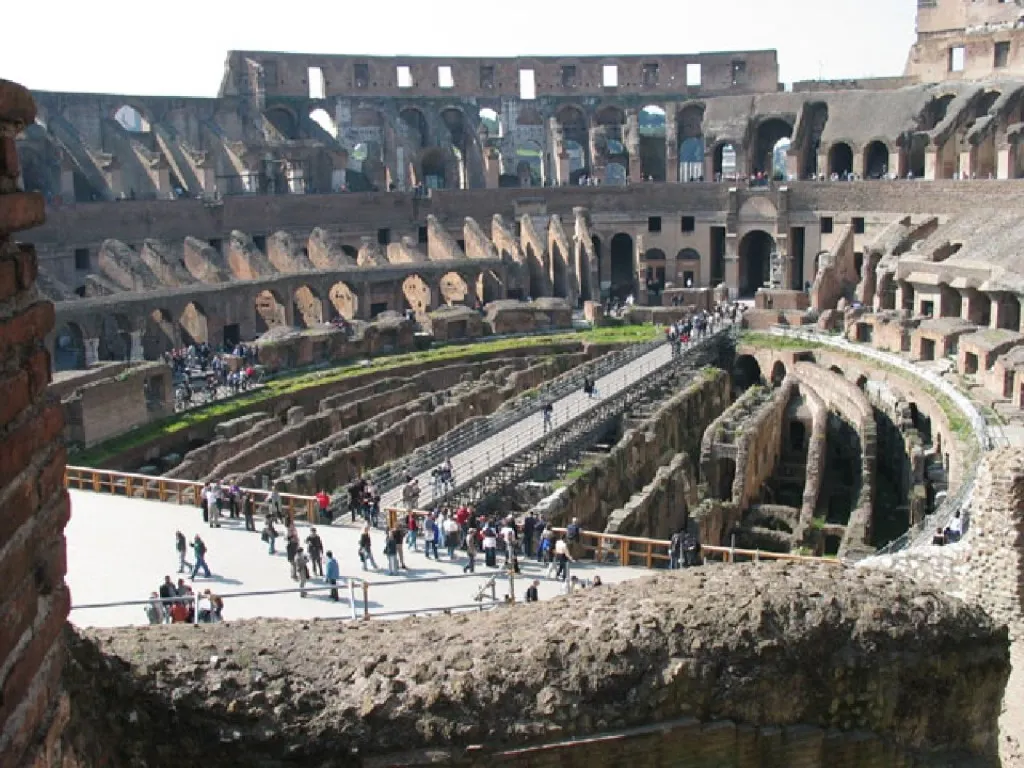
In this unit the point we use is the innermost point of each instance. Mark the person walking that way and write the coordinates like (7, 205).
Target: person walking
(181, 545)
(391, 549)
(249, 511)
(562, 558)
(199, 551)
(547, 412)
(291, 549)
(333, 575)
(315, 548)
(470, 566)
(302, 570)
(270, 535)
(366, 549)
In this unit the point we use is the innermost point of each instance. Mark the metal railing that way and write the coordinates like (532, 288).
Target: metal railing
(174, 490)
(391, 475)
(919, 534)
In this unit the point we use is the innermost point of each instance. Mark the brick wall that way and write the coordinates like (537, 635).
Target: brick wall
(33, 503)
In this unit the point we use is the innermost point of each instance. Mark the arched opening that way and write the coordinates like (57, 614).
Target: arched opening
(746, 373)
(308, 309)
(323, 119)
(416, 293)
(530, 164)
(115, 338)
(577, 160)
(344, 301)
(131, 119)
(159, 335)
(690, 133)
(876, 160)
(770, 146)
(652, 143)
(615, 174)
(413, 127)
(194, 326)
(350, 251)
(576, 138)
(840, 159)
(559, 272)
(461, 140)
(623, 273)
(270, 312)
(725, 162)
(726, 478)
(433, 168)
(612, 121)
(755, 253)
(284, 121)
(489, 286)
(455, 289)
(69, 348)
(688, 268)
(778, 374)
(490, 122)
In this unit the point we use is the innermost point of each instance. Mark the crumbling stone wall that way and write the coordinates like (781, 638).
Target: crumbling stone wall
(760, 445)
(662, 506)
(676, 427)
(35, 601)
(748, 665)
(837, 274)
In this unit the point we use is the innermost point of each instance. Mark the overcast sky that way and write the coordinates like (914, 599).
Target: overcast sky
(178, 48)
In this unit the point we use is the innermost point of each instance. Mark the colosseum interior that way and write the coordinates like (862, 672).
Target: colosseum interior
(417, 254)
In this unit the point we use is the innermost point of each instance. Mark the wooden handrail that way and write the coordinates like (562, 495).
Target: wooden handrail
(173, 489)
(627, 548)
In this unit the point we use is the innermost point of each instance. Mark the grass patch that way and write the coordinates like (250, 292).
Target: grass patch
(285, 385)
(768, 341)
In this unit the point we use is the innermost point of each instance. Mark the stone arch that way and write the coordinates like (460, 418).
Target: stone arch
(491, 122)
(159, 336)
(612, 121)
(530, 164)
(726, 474)
(432, 164)
(270, 310)
(755, 252)
(195, 328)
(559, 272)
(725, 160)
(654, 254)
(115, 337)
(840, 159)
(307, 307)
(455, 289)
(132, 118)
(417, 294)
(690, 133)
(746, 373)
(688, 267)
(652, 143)
(876, 160)
(813, 121)
(489, 286)
(462, 141)
(343, 301)
(778, 373)
(538, 281)
(322, 117)
(414, 127)
(573, 122)
(772, 134)
(69, 348)
(623, 271)
(284, 120)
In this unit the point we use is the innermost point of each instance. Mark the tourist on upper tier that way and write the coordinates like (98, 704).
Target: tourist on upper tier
(955, 529)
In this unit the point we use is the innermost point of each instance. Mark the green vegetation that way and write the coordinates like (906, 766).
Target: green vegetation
(817, 523)
(767, 341)
(285, 385)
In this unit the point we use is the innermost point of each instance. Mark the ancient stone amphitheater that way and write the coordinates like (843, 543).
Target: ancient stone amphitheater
(422, 253)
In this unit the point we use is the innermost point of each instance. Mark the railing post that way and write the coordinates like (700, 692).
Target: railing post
(352, 598)
(366, 600)
(623, 552)
(757, 555)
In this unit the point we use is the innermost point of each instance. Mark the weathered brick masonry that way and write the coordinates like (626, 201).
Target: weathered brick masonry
(33, 503)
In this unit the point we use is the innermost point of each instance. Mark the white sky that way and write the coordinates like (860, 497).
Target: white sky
(178, 48)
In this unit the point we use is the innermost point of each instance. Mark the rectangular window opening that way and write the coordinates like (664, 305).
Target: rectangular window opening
(487, 77)
(81, 259)
(362, 74)
(1002, 55)
(260, 241)
(693, 73)
(610, 75)
(421, 235)
(404, 75)
(739, 72)
(317, 86)
(650, 74)
(569, 77)
(689, 224)
(654, 223)
(527, 85)
(826, 225)
(957, 58)
(217, 245)
(445, 78)
(858, 225)
(383, 236)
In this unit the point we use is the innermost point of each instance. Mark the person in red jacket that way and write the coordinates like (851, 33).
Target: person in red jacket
(323, 501)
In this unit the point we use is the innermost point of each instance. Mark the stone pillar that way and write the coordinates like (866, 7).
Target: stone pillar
(163, 180)
(92, 351)
(898, 162)
(858, 164)
(36, 602)
(732, 264)
(968, 163)
(363, 310)
(1006, 162)
(136, 355)
(597, 163)
(931, 164)
(115, 179)
(671, 147)
(208, 179)
(296, 179)
(492, 167)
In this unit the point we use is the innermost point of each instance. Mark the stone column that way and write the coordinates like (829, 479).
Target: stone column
(163, 180)
(492, 167)
(968, 163)
(931, 163)
(732, 264)
(92, 351)
(1006, 161)
(671, 147)
(136, 354)
(597, 163)
(296, 180)
(115, 178)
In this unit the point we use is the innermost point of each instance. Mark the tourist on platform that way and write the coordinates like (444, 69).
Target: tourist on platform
(155, 609)
(400, 545)
(532, 595)
(451, 535)
(391, 549)
(431, 535)
(366, 550)
(675, 550)
(529, 524)
(355, 497)
(412, 526)
(248, 512)
(562, 559)
(691, 550)
(323, 502)
(490, 546)
(270, 535)
(291, 548)
(199, 552)
(938, 538)
(315, 548)
(333, 575)
(181, 546)
(470, 566)
(547, 412)
(213, 505)
(955, 530)
(274, 505)
(301, 569)
(509, 539)
(596, 581)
